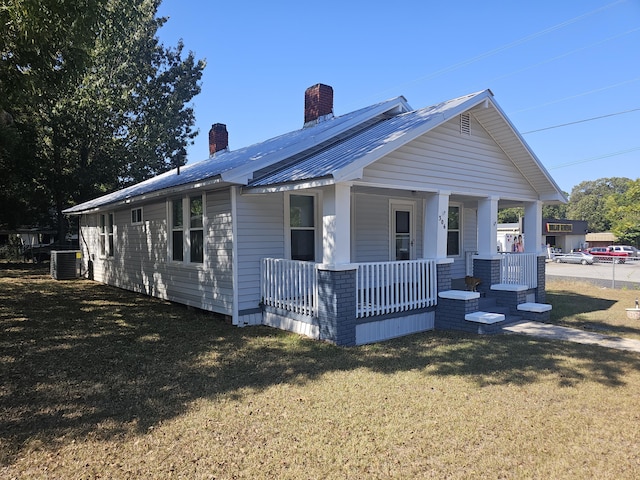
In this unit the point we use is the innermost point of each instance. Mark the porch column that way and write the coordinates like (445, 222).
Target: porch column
(336, 225)
(532, 227)
(487, 226)
(435, 226)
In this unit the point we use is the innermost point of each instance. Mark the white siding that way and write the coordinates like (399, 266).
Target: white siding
(371, 232)
(141, 258)
(469, 241)
(372, 332)
(445, 159)
(260, 229)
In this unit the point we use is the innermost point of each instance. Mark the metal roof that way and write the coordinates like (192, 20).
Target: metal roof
(371, 143)
(337, 149)
(237, 166)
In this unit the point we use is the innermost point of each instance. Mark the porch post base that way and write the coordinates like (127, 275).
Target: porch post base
(337, 305)
(488, 271)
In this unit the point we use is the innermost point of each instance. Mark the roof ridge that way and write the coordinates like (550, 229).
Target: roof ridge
(320, 147)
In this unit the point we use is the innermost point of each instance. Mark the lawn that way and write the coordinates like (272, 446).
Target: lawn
(102, 383)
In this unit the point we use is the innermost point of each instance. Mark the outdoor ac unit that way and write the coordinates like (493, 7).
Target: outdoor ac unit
(65, 264)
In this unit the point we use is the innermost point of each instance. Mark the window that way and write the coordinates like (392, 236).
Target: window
(187, 238)
(136, 216)
(177, 231)
(105, 235)
(302, 227)
(196, 243)
(453, 233)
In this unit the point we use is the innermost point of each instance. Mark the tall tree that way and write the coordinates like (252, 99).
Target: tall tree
(625, 214)
(44, 49)
(588, 201)
(124, 117)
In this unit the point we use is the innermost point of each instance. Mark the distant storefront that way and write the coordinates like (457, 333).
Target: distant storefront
(603, 239)
(563, 235)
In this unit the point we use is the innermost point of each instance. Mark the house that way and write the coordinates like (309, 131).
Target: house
(352, 229)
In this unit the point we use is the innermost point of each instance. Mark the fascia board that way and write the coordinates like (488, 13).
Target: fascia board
(288, 187)
(167, 192)
(528, 149)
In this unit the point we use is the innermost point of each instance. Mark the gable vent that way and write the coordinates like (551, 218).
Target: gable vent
(465, 124)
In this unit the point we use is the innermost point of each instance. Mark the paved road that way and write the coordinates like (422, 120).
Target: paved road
(604, 274)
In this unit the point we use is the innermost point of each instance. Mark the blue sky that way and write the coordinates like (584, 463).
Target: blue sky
(548, 63)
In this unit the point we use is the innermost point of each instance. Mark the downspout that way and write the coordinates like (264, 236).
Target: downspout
(234, 254)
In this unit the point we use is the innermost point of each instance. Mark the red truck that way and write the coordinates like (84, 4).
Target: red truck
(608, 254)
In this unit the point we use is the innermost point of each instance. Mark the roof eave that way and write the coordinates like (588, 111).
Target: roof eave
(135, 199)
(558, 194)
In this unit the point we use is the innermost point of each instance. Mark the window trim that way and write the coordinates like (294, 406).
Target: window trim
(106, 236)
(459, 229)
(317, 218)
(187, 229)
(402, 205)
(139, 221)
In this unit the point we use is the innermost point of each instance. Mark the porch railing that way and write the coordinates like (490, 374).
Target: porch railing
(386, 287)
(519, 269)
(290, 285)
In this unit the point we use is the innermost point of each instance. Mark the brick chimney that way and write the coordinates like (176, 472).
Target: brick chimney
(218, 138)
(318, 102)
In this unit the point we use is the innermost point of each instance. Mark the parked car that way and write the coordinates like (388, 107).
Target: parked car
(608, 254)
(575, 257)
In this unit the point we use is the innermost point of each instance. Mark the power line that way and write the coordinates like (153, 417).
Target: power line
(578, 95)
(581, 121)
(507, 46)
(566, 54)
(600, 157)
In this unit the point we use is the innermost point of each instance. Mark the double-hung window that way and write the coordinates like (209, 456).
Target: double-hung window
(196, 234)
(177, 231)
(453, 233)
(136, 216)
(187, 237)
(302, 227)
(105, 235)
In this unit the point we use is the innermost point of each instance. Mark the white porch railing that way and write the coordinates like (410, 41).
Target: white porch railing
(290, 284)
(385, 287)
(519, 269)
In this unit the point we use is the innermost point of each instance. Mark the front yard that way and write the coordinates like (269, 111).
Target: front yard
(102, 383)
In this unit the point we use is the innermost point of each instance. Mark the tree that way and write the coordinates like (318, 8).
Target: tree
(555, 212)
(44, 49)
(510, 215)
(121, 118)
(623, 209)
(588, 201)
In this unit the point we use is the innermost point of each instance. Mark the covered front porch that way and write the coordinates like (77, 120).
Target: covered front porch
(361, 303)
(385, 256)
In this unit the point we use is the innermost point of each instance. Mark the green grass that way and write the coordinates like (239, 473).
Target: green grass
(593, 308)
(102, 383)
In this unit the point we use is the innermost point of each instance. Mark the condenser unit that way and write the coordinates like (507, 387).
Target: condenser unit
(65, 264)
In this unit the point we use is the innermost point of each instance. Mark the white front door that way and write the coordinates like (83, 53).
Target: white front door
(402, 231)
